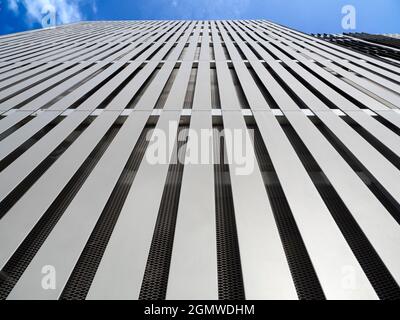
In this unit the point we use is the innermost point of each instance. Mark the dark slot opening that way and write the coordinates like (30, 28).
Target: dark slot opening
(10, 158)
(79, 282)
(374, 268)
(24, 186)
(304, 276)
(114, 52)
(20, 260)
(132, 104)
(275, 57)
(167, 89)
(100, 55)
(315, 91)
(156, 48)
(197, 52)
(184, 51)
(15, 127)
(74, 87)
(105, 103)
(188, 103)
(288, 90)
(15, 67)
(267, 96)
(49, 67)
(168, 54)
(50, 87)
(256, 53)
(37, 82)
(378, 145)
(244, 104)
(159, 259)
(341, 92)
(92, 91)
(230, 279)
(239, 50)
(226, 53)
(215, 98)
(391, 205)
(212, 53)
(388, 124)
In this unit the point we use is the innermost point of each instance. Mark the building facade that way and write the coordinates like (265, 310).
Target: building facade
(198, 160)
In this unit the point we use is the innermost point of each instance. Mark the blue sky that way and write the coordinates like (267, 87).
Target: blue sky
(313, 16)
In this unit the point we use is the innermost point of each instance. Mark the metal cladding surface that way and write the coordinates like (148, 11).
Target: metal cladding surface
(278, 178)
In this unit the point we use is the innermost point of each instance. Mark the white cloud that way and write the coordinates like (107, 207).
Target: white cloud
(94, 6)
(66, 11)
(206, 9)
(13, 5)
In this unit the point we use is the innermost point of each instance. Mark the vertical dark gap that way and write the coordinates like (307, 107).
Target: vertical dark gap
(341, 92)
(115, 92)
(75, 86)
(212, 53)
(16, 67)
(304, 276)
(226, 53)
(374, 268)
(11, 157)
(24, 186)
(287, 88)
(22, 257)
(378, 145)
(387, 200)
(261, 87)
(183, 53)
(197, 52)
(132, 104)
(188, 103)
(255, 52)
(103, 50)
(239, 50)
(15, 127)
(168, 54)
(27, 77)
(31, 98)
(79, 282)
(230, 278)
(275, 57)
(244, 104)
(315, 91)
(67, 67)
(115, 52)
(90, 92)
(388, 124)
(215, 98)
(109, 54)
(155, 279)
(144, 49)
(167, 89)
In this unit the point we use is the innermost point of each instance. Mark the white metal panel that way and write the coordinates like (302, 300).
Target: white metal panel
(19, 221)
(121, 270)
(328, 250)
(75, 226)
(266, 274)
(194, 256)
(369, 213)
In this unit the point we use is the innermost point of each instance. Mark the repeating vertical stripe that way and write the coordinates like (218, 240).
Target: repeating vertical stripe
(316, 217)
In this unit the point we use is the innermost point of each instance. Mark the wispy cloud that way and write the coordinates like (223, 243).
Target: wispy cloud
(66, 11)
(209, 8)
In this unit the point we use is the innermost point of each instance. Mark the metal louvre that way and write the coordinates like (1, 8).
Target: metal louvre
(317, 217)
